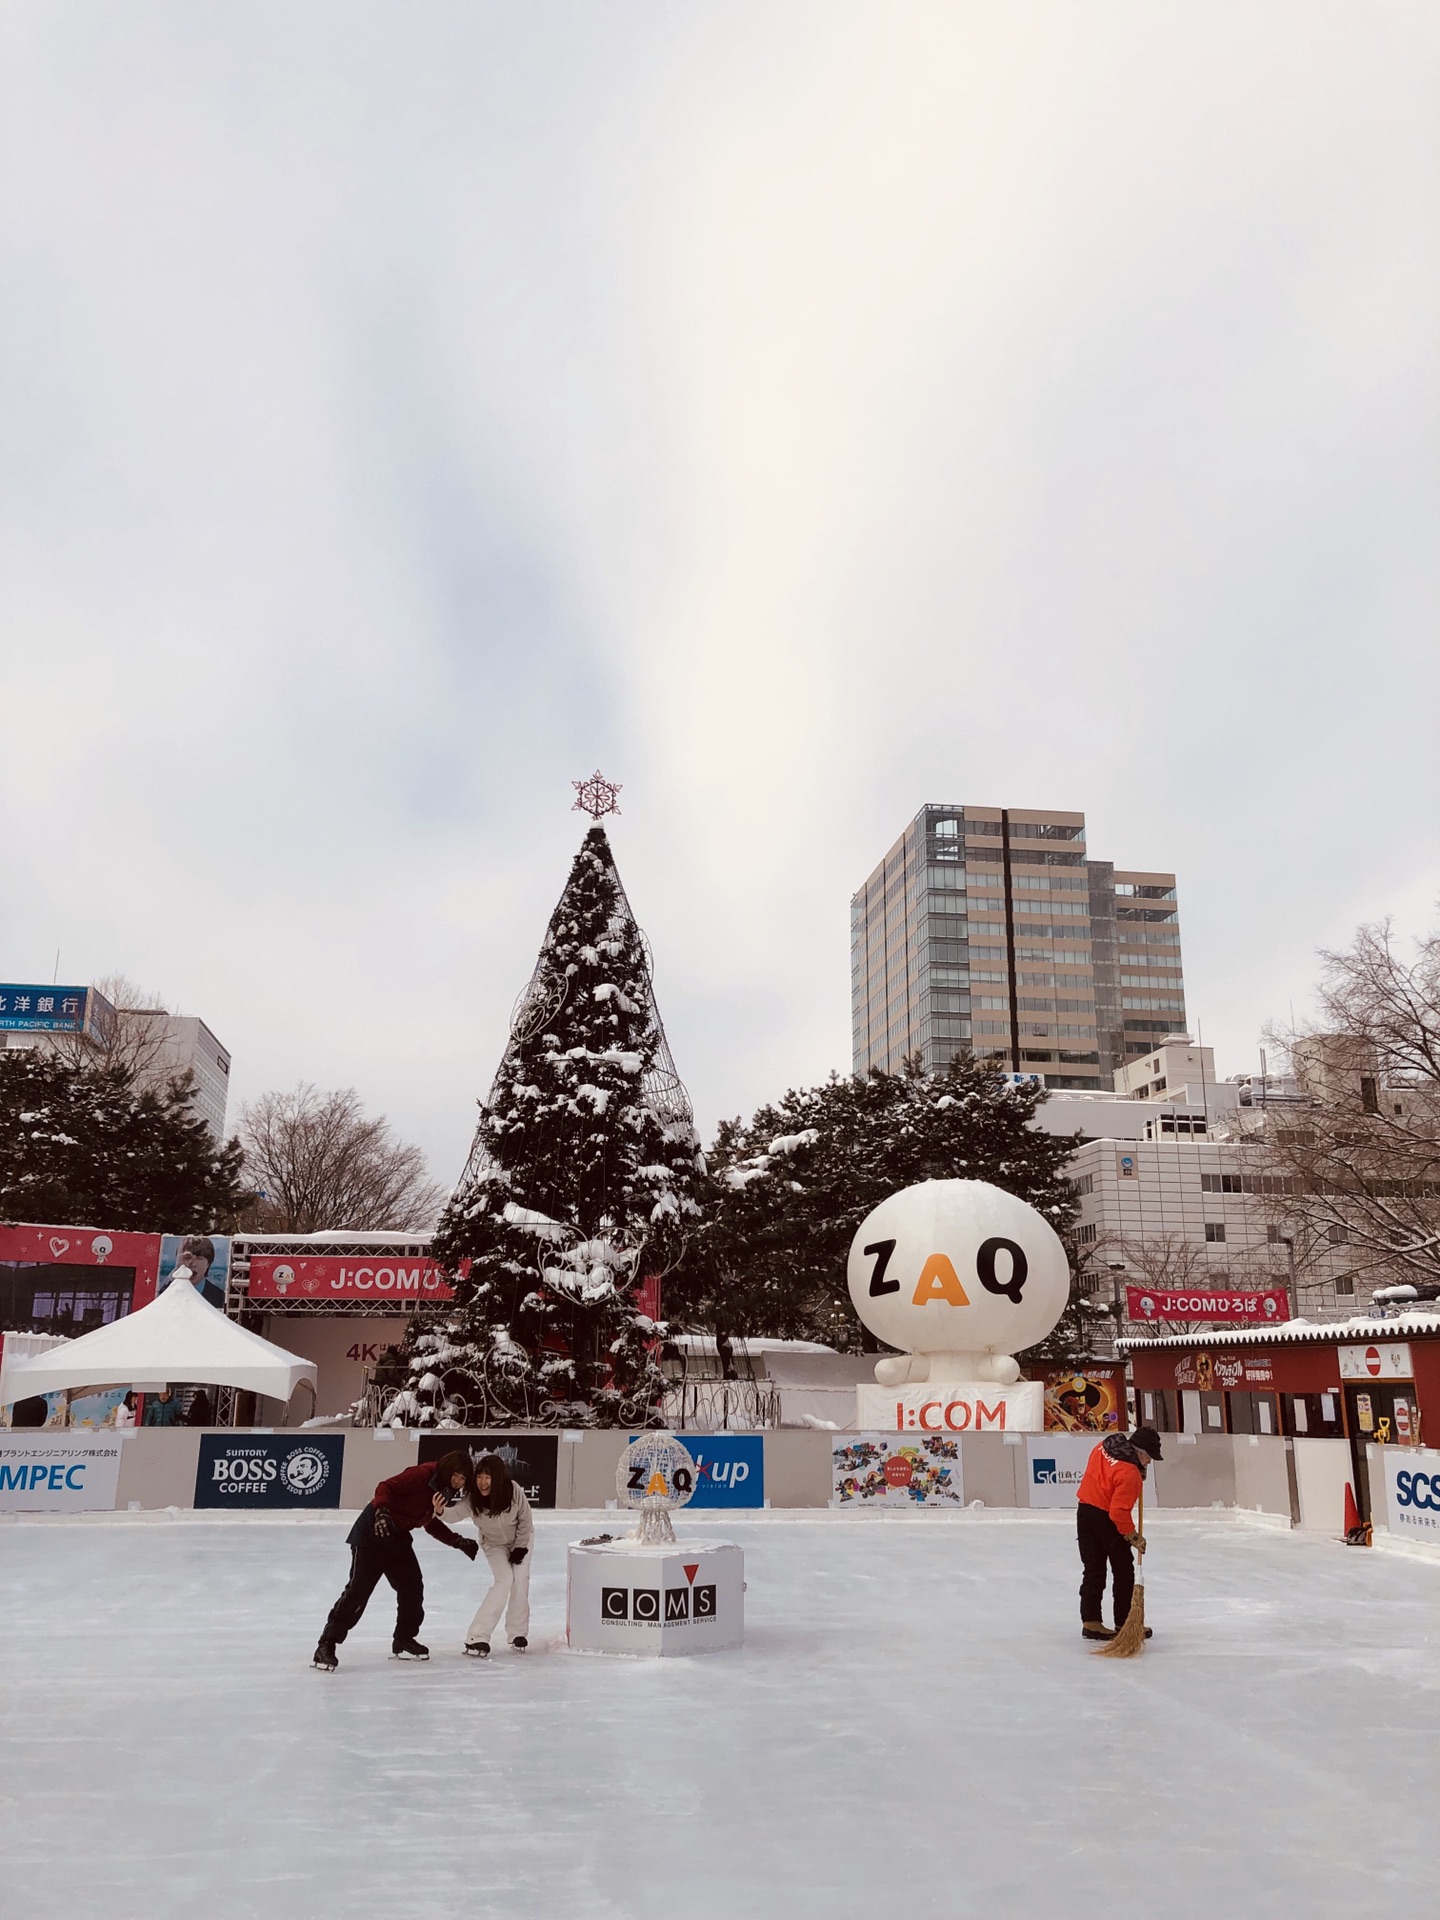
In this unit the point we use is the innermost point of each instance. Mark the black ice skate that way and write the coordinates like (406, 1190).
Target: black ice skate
(408, 1650)
(519, 1643)
(324, 1657)
(478, 1649)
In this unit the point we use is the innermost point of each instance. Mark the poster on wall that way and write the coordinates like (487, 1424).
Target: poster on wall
(729, 1469)
(889, 1470)
(207, 1255)
(531, 1457)
(1084, 1400)
(1055, 1464)
(59, 1472)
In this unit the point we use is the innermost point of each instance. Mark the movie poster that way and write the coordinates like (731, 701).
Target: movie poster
(1084, 1399)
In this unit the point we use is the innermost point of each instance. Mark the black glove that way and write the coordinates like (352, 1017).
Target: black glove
(469, 1548)
(384, 1525)
(517, 1554)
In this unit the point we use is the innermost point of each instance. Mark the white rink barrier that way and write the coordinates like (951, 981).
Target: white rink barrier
(337, 1468)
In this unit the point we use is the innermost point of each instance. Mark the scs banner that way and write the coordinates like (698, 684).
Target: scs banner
(249, 1471)
(1412, 1491)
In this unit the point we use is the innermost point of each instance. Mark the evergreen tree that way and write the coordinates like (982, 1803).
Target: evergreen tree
(581, 1186)
(83, 1144)
(790, 1188)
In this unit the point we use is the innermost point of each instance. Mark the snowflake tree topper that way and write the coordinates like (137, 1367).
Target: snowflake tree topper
(596, 796)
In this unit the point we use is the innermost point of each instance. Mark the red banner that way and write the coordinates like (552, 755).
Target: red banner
(1266, 1308)
(347, 1276)
(87, 1247)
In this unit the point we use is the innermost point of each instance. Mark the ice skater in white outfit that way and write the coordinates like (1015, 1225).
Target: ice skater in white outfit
(507, 1532)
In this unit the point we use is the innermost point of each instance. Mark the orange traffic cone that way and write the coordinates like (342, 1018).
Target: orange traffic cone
(1357, 1532)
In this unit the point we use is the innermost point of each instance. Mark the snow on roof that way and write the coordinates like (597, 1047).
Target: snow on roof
(1403, 1326)
(705, 1343)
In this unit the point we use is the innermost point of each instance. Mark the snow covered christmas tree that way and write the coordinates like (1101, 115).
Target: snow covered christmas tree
(579, 1189)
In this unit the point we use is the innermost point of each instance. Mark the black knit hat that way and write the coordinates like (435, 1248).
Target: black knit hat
(1148, 1441)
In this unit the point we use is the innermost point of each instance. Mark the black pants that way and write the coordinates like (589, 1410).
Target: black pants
(1102, 1544)
(371, 1561)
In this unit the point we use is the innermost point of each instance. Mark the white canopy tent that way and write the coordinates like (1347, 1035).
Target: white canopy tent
(178, 1337)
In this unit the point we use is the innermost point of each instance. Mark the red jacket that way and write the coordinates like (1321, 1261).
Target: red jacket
(409, 1499)
(1112, 1485)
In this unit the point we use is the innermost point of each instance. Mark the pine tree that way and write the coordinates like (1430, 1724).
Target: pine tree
(83, 1144)
(790, 1188)
(581, 1185)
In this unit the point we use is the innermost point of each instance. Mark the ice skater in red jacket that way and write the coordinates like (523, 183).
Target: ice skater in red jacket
(1105, 1524)
(381, 1548)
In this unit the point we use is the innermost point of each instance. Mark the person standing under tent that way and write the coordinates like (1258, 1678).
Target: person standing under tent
(506, 1528)
(1105, 1525)
(381, 1549)
(162, 1409)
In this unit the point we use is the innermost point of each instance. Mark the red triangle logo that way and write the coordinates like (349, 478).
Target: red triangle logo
(690, 1572)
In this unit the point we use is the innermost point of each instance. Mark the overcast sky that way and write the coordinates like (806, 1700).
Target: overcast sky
(798, 411)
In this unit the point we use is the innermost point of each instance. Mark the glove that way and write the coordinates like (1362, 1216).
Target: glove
(469, 1548)
(1135, 1540)
(517, 1554)
(384, 1525)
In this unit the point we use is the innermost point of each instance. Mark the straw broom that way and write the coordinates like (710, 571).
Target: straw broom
(1130, 1640)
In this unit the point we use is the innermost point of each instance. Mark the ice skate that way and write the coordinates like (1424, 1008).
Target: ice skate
(478, 1649)
(324, 1657)
(409, 1650)
(519, 1643)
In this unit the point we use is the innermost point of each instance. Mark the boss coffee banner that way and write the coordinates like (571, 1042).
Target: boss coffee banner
(248, 1472)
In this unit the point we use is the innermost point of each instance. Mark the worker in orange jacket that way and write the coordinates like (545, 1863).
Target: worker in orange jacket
(1105, 1526)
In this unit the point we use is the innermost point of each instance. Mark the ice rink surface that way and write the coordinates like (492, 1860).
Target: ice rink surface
(914, 1727)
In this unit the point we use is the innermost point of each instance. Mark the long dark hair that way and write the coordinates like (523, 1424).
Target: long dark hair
(502, 1487)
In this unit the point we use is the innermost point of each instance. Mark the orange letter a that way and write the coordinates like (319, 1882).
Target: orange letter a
(939, 1281)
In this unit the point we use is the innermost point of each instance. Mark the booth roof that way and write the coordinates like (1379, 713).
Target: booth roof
(178, 1337)
(1404, 1326)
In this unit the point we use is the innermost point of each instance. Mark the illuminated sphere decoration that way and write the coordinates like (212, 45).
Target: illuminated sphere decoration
(961, 1276)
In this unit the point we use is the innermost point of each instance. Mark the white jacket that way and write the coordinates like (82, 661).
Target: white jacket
(513, 1528)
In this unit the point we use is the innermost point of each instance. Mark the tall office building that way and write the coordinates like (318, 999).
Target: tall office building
(990, 930)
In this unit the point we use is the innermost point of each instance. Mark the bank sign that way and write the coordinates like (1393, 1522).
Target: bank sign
(59, 1472)
(246, 1472)
(374, 1276)
(1412, 1492)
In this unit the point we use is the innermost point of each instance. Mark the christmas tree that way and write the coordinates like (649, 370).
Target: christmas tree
(579, 1190)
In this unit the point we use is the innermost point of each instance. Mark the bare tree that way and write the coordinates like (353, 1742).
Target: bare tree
(134, 1040)
(320, 1164)
(1358, 1164)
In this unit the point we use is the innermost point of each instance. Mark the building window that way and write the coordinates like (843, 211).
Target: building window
(1274, 1236)
(1222, 1183)
(1345, 1284)
(1214, 1231)
(1086, 1236)
(1338, 1236)
(1085, 1184)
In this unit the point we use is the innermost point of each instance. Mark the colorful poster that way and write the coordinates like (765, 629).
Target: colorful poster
(58, 1472)
(888, 1470)
(1084, 1399)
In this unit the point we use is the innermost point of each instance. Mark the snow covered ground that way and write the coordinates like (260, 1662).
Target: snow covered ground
(914, 1728)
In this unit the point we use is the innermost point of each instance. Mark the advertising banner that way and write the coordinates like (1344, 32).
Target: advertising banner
(348, 1276)
(1267, 1306)
(624, 1598)
(43, 1009)
(246, 1472)
(1412, 1491)
(952, 1409)
(530, 1457)
(1088, 1400)
(1056, 1466)
(886, 1470)
(58, 1472)
(206, 1255)
(729, 1469)
(1387, 1360)
(120, 1264)
(1225, 1372)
